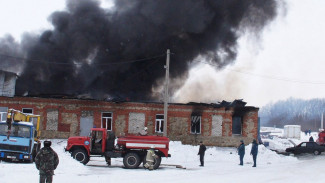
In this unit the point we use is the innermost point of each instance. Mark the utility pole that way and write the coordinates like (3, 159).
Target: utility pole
(321, 123)
(166, 93)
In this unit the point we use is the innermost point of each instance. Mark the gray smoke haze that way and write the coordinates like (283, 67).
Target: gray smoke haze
(8, 46)
(88, 41)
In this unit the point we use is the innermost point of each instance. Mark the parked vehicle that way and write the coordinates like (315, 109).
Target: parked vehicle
(19, 136)
(306, 147)
(131, 148)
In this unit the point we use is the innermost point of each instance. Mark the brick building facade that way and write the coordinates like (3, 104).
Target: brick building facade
(221, 124)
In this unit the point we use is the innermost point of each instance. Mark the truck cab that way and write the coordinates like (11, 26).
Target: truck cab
(321, 138)
(20, 144)
(19, 137)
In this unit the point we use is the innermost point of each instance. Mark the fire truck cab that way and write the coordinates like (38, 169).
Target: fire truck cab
(321, 138)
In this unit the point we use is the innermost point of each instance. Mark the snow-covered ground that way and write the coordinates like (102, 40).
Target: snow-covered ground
(221, 165)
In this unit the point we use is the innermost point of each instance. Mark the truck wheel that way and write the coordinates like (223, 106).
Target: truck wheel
(131, 160)
(81, 156)
(316, 152)
(156, 162)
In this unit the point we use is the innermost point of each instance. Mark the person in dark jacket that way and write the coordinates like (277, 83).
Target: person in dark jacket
(202, 152)
(241, 152)
(254, 151)
(46, 162)
(311, 139)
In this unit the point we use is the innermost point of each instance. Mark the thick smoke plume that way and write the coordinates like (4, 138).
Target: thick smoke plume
(87, 50)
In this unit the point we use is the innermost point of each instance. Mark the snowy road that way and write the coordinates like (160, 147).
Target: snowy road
(221, 166)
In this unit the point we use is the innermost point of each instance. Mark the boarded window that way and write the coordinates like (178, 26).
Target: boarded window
(236, 126)
(86, 122)
(28, 110)
(52, 119)
(136, 122)
(159, 123)
(216, 125)
(107, 118)
(196, 124)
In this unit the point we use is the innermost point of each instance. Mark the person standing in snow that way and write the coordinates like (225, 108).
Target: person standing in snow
(254, 151)
(311, 139)
(201, 153)
(241, 152)
(150, 158)
(46, 162)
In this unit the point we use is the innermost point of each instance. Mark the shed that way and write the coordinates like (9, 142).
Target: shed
(292, 131)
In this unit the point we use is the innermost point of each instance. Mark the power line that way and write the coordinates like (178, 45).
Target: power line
(265, 76)
(60, 63)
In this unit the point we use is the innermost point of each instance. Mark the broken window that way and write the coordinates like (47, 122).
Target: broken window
(28, 110)
(107, 120)
(159, 123)
(195, 124)
(236, 126)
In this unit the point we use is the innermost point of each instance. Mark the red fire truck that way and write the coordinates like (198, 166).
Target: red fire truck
(131, 148)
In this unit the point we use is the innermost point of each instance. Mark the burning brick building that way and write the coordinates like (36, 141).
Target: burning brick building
(119, 52)
(222, 124)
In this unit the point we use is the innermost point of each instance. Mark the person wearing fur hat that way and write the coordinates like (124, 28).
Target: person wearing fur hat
(46, 162)
(241, 152)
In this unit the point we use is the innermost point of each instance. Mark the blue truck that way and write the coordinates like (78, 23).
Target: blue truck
(19, 137)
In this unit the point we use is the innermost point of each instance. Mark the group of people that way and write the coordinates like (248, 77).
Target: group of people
(241, 152)
(47, 159)
(308, 132)
(240, 149)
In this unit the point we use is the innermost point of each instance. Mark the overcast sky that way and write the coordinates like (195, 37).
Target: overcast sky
(285, 62)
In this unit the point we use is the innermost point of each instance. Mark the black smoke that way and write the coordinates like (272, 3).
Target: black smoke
(87, 49)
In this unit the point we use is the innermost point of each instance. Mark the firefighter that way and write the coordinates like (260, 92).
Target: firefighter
(150, 158)
(46, 162)
(201, 153)
(144, 132)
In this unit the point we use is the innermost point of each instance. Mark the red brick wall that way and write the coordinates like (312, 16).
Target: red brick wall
(179, 118)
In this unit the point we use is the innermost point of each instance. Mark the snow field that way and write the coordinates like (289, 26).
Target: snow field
(221, 165)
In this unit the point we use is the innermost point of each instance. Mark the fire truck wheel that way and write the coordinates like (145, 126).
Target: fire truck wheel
(156, 163)
(131, 160)
(81, 156)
